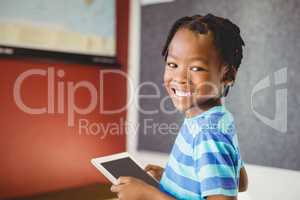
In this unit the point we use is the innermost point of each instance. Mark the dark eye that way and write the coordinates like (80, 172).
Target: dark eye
(197, 69)
(172, 65)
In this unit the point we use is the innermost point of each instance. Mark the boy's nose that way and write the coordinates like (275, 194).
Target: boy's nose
(181, 76)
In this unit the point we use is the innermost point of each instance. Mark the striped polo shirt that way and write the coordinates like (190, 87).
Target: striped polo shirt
(205, 159)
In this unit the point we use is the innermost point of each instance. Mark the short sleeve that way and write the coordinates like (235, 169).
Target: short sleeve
(216, 164)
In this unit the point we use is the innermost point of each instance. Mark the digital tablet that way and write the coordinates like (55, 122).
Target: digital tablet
(122, 164)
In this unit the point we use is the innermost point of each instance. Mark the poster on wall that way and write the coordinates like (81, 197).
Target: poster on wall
(77, 30)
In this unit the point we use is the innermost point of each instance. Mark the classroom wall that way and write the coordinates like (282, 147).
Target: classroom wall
(265, 97)
(42, 152)
(268, 183)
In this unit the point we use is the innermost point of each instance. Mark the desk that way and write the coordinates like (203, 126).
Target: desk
(90, 192)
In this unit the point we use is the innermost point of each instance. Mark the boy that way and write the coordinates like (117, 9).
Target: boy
(202, 55)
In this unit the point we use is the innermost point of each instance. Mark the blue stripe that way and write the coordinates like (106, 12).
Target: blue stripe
(229, 129)
(212, 158)
(219, 191)
(213, 146)
(209, 171)
(172, 189)
(218, 182)
(181, 157)
(206, 134)
(184, 170)
(214, 118)
(186, 134)
(205, 158)
(183, 146)
(213, 134)
(162, 188)
(183, 182)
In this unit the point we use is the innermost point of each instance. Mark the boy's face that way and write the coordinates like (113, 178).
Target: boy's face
(193, 71)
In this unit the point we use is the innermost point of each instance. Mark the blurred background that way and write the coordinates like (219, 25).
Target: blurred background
(82, 79)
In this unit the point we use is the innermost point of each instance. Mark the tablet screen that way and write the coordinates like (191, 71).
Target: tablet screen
(127, 167)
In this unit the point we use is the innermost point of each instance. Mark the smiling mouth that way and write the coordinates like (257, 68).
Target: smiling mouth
(180, 93)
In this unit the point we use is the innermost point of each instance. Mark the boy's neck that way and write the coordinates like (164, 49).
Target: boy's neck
(197, 110)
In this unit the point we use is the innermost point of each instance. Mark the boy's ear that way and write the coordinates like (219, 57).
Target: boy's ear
(228, 74)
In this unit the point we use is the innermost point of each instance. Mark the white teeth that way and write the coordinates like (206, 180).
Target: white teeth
(182, 94)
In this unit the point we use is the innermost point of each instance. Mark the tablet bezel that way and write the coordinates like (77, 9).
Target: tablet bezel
(97, 162)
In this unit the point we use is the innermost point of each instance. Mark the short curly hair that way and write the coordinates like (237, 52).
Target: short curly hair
(227, 38)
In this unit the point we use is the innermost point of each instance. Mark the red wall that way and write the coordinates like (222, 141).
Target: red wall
(41, 153)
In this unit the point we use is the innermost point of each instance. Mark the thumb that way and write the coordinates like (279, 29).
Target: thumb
(151, 173)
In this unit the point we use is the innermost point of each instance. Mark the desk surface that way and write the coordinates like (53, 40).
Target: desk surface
(90, 192)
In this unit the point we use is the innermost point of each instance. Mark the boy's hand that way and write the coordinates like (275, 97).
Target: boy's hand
(243, 183)
(155, 171)
(129, 188)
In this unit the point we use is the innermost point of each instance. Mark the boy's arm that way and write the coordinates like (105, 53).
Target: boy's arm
(158, 195)
(243, 184)
(133, 189)
(221, 197)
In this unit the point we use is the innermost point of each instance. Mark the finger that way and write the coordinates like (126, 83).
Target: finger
(153, 175)
(150, 167)
(151, 172)
(115, 188)
(120, 196)
(124, 179)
